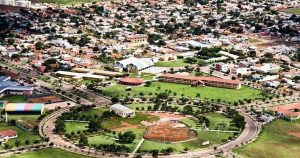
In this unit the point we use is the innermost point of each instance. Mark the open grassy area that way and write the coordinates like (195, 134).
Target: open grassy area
(274, 142)
(75, 126)
(15, 99)
(145, 77)
(64, 2)
(216, 119)
(176, 63)
(22, 135)
(228, 95)
(26, 120)
(110, 139)
(203, 136)
(293, 11)
(115, 122)
(47, 153)
(93, 112)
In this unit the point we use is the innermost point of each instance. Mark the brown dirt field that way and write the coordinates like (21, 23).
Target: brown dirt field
(295, 134)
(125, 126)
(167, 115)
(45, 99)
(169, 132)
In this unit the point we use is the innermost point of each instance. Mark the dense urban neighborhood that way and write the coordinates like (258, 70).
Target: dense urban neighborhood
(150, 78)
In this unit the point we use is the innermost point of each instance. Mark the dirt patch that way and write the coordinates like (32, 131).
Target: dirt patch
(45, 99)
(295, 134)
(125, 126)
(172, 131)
(168, 116)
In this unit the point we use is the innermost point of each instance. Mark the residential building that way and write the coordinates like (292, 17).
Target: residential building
(137, 38)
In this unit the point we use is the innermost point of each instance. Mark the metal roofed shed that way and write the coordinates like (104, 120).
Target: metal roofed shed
(122, 110)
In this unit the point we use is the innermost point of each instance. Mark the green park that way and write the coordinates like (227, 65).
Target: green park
(107, 136)
(179, 90)
(276, 140)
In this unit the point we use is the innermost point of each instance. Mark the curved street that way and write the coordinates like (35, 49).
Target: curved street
(47, 125)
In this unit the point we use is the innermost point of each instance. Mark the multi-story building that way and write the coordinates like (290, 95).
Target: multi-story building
(137, 38)
(201, 81)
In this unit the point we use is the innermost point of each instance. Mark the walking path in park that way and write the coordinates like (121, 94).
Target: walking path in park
(138, 146)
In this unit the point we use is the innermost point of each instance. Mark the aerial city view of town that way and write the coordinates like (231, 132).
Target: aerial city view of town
(150, 78)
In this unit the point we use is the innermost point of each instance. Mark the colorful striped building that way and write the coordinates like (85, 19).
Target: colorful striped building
(25, 107)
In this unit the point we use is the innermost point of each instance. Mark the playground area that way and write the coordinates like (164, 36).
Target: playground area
(170, 131)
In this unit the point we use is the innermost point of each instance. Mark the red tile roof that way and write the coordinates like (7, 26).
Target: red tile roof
(8, 133)
(288, 110)
(201, 78)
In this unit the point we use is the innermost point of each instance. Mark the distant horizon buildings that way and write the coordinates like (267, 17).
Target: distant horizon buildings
(18, 3)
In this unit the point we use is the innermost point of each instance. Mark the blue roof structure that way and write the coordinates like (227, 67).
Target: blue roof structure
(7, 84)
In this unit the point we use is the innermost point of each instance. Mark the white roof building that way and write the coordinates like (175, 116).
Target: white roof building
(122, 110)
(139, 63)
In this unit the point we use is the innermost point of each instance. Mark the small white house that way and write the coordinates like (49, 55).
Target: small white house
(122, 110)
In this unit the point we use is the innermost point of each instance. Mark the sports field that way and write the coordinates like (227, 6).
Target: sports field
(47, 153)
(176, 63)
(15, 99)
(228, 95)
(275, 142)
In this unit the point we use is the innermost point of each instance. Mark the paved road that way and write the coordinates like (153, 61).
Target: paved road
(48, 124)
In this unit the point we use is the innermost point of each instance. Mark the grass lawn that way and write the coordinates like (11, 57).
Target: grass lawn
(228, 95)
(75, 126)
(47, 153)
(274, 142)
(22, 135)
(93, 112)
(216, 118)
(26, 120)
(203, 136)
(191, 123)
(15, 99)
(110, 139)
(293, 11)
(115, 122)
(145, 77)
(176, 63)
(85, 82)
(64, 2)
